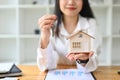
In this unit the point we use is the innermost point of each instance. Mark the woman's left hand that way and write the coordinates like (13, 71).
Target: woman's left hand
(80, 56)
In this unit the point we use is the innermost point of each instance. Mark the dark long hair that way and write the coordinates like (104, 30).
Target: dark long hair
(85, 12)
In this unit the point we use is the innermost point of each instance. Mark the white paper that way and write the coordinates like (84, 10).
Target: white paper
(10, 78)
(5, 67)
(68, 74)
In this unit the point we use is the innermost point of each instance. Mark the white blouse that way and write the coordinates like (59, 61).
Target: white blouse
(58, 47)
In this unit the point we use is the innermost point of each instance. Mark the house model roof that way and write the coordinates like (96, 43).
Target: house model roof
(81, 32)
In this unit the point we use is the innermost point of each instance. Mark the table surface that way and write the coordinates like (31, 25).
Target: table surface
(31, 72)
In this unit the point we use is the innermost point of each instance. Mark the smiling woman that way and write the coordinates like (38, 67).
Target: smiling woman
(70, 16)
(70, 7)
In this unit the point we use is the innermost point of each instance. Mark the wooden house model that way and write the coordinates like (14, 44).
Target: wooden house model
(80, 42)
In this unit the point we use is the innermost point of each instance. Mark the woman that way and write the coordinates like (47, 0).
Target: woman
(70, 16)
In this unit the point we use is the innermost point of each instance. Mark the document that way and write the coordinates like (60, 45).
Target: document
(68, 74)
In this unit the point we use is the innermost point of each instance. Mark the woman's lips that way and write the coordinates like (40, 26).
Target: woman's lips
(71, 8)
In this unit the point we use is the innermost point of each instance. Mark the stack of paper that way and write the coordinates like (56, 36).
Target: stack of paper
(5, 67)
(9, 69)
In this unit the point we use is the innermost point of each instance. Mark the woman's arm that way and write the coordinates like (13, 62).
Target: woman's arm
(92, 64)
(47, 58)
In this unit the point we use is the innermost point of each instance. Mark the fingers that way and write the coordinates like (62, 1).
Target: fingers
(46, 21)
(91, 54)
(70, 57)
(46, 24)
(74, 56)
(68, 54)
(51, 17)
(82, 56)
(47, 17)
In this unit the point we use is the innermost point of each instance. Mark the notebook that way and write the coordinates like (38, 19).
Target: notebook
(9, 71)
(69, 74)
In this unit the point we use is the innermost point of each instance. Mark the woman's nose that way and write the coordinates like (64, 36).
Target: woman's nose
(71, 1)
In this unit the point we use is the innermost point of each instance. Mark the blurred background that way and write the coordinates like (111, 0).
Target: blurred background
(19, 33)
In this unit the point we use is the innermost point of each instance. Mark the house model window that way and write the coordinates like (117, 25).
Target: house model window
(80, 42)
(80, 36)
(76, 45)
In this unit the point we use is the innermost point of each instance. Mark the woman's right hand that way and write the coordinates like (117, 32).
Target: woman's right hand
(45, 23)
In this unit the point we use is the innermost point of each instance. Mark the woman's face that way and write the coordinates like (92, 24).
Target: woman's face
(70, 7)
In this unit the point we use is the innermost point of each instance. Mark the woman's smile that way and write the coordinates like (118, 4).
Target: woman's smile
(71, 8)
